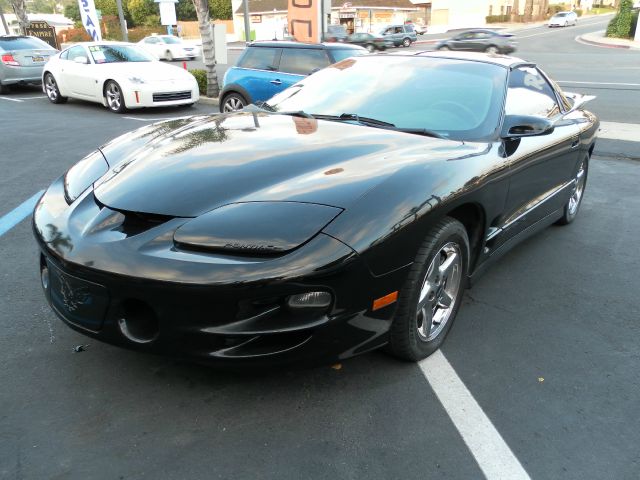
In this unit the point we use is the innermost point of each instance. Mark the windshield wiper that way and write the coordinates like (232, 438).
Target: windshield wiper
(421, 131)
(354, 117)
(265, 107)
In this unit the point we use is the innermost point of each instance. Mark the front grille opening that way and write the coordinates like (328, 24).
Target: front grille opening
(169, 97)
(135, 223)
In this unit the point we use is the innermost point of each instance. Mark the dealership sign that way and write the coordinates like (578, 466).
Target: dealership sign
(90, 19)
(44, 32)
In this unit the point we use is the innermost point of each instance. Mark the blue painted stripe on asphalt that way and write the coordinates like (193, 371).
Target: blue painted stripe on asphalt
(18, 214)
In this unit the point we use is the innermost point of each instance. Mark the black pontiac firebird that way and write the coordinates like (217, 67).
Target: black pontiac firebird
(347, 213)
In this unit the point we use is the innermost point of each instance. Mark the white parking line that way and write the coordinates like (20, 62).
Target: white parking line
(155, 119)
(494, 457)
(22, 211)
(32, 98)
(10, 99)
(615, 84)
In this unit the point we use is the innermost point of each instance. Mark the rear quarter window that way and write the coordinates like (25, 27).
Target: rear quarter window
(340, 54)
(303, 61)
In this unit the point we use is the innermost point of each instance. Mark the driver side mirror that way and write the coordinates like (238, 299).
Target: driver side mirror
(518, 126)
(81, 59)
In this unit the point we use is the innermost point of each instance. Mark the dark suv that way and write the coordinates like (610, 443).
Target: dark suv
(403, 35)
(267, 68)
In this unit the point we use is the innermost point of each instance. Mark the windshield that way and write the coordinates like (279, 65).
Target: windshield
(23, 43)
(561, 14)
(341, 54)
(457, 99)
(171, 40)
(118, 53)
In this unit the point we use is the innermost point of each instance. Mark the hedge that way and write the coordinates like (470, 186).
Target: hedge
(621, 25)
(497, 18)
(201, 78)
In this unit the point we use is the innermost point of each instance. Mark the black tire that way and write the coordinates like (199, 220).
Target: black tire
(4, 89)
(232, 100)
(492, 50)
(52, 90)
(168, 56)
(444, 48)
(405, 339)
(370, 47)
(115, 97)
(572, 207)
(406, 42)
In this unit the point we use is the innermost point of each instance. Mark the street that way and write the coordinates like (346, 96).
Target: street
(544, 353)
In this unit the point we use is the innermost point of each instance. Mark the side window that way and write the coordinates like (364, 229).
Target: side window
(529, 93)
(303, 61)
(75, 52)
(64, 54)
(399, 30)
(260, 58)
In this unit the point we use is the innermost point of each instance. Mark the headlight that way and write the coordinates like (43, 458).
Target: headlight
(256, 228)
(83, 174)
(136, 80)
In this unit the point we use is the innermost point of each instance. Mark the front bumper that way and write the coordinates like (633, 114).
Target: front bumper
(146, 95)
(140, 292)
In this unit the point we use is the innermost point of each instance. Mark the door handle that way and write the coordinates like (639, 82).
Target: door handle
(575, 143)
(276, 82)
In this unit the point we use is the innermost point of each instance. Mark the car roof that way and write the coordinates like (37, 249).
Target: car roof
(288, 44)
(480, 30)
(105, 42)
(502, 60)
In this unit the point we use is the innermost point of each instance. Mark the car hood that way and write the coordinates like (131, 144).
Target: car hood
(186, 167)
(155, 71)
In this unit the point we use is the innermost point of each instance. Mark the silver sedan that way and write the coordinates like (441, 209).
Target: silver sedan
(22, 59)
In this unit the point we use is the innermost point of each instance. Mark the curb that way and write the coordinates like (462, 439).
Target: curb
(580, 38)
(209, 101)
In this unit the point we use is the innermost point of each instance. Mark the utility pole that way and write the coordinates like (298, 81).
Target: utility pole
(247, 22)
(4, 23)
(123, 25)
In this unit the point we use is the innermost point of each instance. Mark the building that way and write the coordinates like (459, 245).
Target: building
(60, 22)
(269, 17)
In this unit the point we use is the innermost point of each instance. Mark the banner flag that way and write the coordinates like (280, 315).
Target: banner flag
(90, 19)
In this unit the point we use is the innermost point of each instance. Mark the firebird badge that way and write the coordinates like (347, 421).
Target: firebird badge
(73, 297)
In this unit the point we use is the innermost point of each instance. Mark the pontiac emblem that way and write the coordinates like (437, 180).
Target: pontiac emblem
(73, 297)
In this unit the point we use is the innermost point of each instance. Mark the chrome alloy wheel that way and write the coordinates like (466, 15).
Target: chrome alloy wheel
(578, 189)
(233, 104)
(439, 291)
(114, 96)
(51, 88)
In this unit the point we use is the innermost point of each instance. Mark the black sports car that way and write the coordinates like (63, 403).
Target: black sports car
(347, 213)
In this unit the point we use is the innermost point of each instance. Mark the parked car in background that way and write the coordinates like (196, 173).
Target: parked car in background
(119, 75)
(400, 34)
(22, 59)
(480, 40)
(370, 41)
(563, 19)
(168, 47)
(419, 29)
(335, 33)
(267, 68)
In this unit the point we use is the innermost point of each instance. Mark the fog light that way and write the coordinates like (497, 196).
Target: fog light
(309, 300)
(44, 278)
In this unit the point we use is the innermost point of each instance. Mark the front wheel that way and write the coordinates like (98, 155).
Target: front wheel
(53, 92)
(115, 97)
(492, 50)
(431, 296)
(575, 200)
(370, 48)
(444, 48)
(168, 56)
(406, 42)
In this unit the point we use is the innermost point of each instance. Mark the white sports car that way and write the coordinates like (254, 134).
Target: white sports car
(168, 47)
(119, 75)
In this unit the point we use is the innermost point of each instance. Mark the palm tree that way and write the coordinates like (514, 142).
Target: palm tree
(20, 9)
(208, 46)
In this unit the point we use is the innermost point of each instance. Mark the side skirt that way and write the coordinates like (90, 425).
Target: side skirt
(512, 242)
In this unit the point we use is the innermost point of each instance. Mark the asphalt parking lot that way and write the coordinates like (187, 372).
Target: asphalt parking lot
(538, 379)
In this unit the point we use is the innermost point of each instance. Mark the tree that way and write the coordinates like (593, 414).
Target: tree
(185, 10)
(208, 46)
(20, 9)
(143, 12)
(72, 11)
(220, 9)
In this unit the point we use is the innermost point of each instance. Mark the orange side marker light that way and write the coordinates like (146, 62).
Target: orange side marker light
(384, 301)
